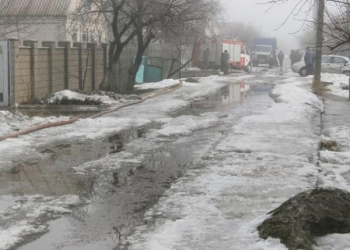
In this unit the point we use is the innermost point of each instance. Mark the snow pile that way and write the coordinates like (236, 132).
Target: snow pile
(157, 85)
(14, 122)
(340, 84)
(193, 69)
(185, 125)
(335, 164)
(72, 97)
(29, 216)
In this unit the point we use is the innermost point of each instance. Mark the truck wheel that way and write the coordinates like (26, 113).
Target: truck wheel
(346, 72)
(248, 69)
(302, 72)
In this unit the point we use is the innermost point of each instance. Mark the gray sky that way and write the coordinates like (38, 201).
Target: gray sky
(267, 20)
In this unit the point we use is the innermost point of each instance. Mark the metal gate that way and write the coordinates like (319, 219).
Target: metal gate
(4, 74)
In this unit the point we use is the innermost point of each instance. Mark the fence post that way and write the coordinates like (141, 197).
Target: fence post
(66, 45)
(105, 57)
(14, 68)
(80, 62)
(52, 50)
(93, 46)
(33, 61)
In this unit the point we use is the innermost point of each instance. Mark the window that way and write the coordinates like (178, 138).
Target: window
(92, 38)
(75, 36)
(327, 59)
(87, 5)
(339, 60)
(263, 48)
(84, 37)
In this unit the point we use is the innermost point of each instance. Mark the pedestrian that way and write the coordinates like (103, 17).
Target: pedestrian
(271, 60)
(280, 58)
(293, 57)
(299, 56)
(206, 56)
(225, 62)
(275, 62)
(309, 59)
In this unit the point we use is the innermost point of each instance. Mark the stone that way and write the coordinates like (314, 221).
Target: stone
(310, 214)
(329, 145)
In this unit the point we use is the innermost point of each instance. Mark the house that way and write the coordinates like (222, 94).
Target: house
(52, 20)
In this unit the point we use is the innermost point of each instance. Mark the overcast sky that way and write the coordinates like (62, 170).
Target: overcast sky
(268, 19)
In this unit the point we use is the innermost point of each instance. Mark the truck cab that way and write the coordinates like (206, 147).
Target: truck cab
(262, 54)
(262, 50)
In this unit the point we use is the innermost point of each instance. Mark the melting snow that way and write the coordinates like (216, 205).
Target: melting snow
(261, 161)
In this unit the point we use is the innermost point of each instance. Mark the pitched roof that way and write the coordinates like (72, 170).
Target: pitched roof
(34, 8)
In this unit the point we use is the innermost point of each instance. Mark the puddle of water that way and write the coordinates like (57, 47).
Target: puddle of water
(231, 95)
(119, 199)
(60, 233)
(6, 201)
(43, 178)
(54, 175)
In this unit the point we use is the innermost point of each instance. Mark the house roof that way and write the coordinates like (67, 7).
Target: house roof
(34, 8)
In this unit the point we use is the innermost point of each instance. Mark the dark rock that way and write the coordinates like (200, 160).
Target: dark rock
(310, 214)
(329, 145)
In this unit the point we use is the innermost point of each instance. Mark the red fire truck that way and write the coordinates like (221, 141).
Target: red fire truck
(239, 54)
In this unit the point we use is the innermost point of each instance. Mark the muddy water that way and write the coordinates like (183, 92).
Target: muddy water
(119, 198)
(54, 175)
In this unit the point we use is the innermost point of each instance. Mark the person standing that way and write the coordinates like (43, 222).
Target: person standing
(271, 60)
(225, 62)
(299, 55)
(309, 59)
(275, 62)
(206, 56)
(293, 57)
(280, 58)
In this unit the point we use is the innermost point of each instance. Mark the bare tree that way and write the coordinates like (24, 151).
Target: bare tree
(156, 17)
(337, 29)
(143, 21)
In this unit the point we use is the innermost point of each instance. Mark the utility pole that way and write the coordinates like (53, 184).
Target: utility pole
(319, 42)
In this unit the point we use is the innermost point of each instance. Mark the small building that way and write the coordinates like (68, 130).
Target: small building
(52, 20)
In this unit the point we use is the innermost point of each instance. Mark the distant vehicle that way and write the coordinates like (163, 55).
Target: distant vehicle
(263, 46)
(239, 54)
(330, 64)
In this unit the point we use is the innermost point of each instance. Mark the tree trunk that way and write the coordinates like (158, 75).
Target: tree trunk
(138, 60)
(110, 81)
(133, 71)
(319, 41)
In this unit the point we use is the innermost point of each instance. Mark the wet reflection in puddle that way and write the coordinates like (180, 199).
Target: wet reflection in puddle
(43, 178)
(54, 175)
(225, 98)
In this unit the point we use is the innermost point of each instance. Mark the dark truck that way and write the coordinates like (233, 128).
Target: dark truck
(262, 47)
